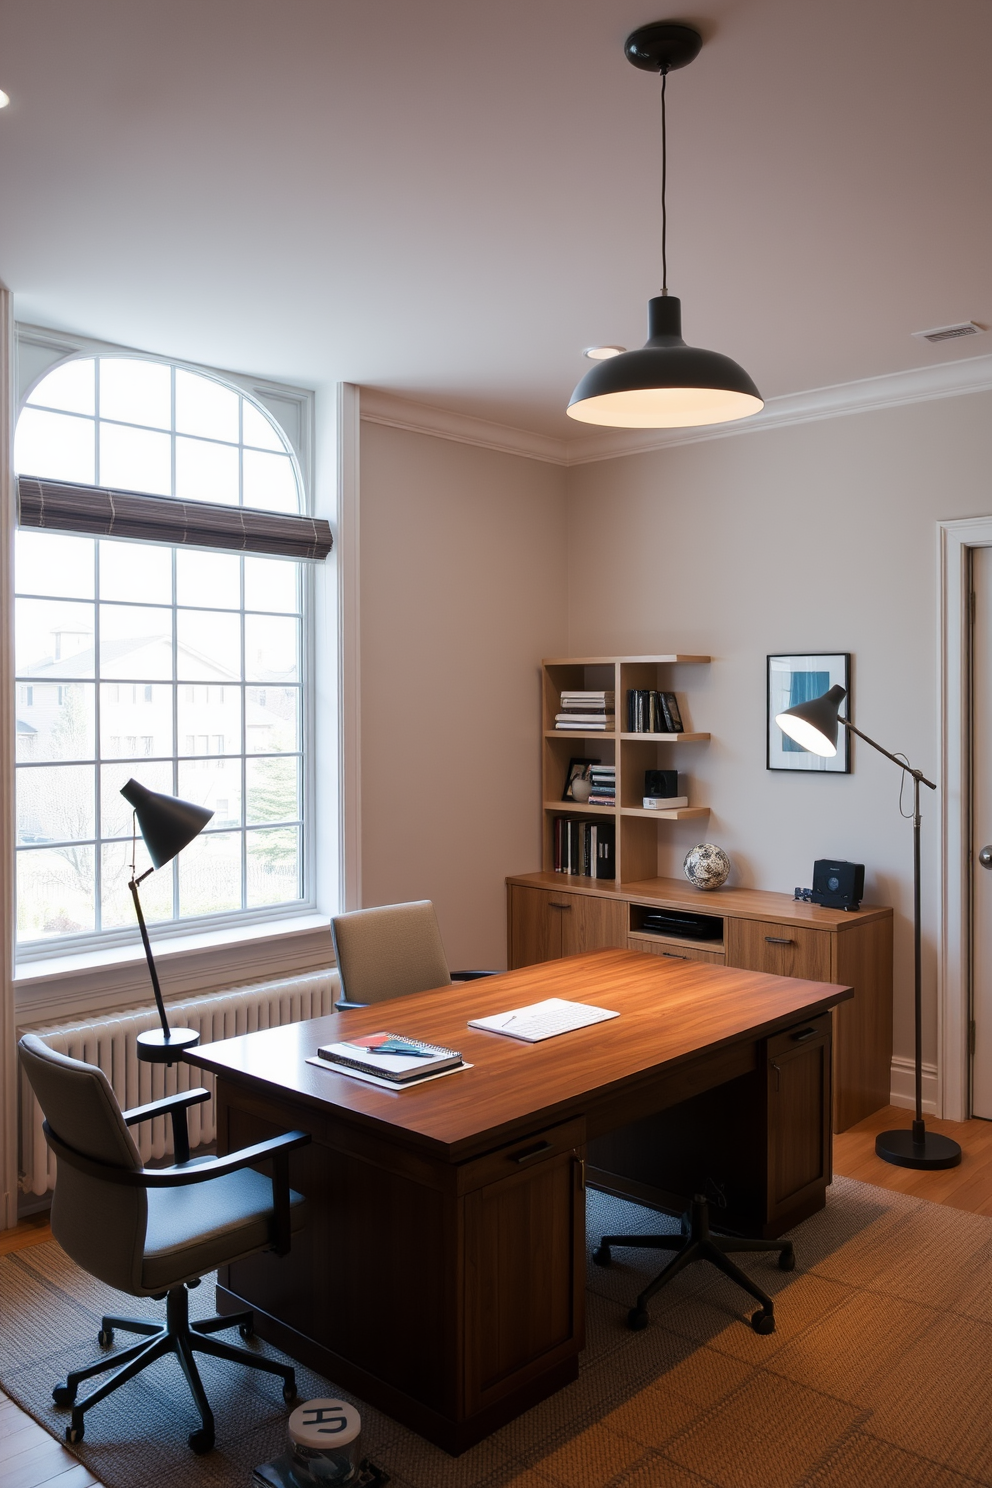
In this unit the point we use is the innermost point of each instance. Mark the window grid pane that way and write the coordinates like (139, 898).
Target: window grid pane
(88, 739)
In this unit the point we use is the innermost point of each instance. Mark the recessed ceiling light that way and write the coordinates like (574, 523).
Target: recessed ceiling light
(4, 99)
(600, 353)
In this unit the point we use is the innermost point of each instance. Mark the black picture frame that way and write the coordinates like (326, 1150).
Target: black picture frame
(576, 766)
(823, 670)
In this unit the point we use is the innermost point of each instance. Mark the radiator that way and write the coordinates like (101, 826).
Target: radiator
(110, 1042)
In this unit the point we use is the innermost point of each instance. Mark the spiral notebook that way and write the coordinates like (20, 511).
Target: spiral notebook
(390, 1056)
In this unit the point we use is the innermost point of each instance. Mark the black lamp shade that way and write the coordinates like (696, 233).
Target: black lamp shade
(166, 823)
(665, 385)
(814, 724)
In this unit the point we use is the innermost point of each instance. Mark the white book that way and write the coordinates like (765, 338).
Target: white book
(543, 1020)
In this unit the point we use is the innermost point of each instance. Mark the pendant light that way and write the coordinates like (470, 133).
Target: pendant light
(667, 384)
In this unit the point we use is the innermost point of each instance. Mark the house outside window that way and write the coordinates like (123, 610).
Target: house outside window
(183, 668)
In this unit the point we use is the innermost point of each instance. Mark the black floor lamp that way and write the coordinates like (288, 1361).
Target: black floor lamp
(167, 826)
(814, 725)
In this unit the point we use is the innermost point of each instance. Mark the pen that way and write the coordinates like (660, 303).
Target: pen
(509, 1020)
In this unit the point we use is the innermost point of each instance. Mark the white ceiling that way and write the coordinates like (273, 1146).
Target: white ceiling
(449, 200)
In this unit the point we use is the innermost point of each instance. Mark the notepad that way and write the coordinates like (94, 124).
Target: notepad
(543, 1020)
(390, 1056)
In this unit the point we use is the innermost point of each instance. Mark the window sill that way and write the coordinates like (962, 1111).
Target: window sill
(117, 977)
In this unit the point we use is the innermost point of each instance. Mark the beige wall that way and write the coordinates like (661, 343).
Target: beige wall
(463, 590)
(820, 537)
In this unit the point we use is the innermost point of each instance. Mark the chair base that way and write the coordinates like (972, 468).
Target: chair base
(177, 1335)
(696, 1243)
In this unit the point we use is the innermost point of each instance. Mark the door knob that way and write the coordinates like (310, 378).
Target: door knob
(985, 857)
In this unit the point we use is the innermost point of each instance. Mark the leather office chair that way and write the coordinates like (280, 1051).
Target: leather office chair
(391, 951)
(698, 1243)
(153, 1232)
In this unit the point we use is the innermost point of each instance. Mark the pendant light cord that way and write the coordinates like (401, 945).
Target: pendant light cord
(664, 185)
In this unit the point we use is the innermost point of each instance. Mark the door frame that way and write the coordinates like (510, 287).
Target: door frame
(956, 539)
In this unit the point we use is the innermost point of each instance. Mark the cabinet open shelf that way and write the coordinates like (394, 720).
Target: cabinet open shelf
(580, 810)
(666, 738)
(678, 942)
(678, 813)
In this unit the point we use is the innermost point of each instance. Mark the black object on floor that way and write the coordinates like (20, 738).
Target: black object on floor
(698, 1243)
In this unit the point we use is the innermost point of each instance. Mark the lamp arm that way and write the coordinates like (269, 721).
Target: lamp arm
(133, 886)
(916, 774)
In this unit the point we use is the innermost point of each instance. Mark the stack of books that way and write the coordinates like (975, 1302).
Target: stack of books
(586, 712)
(650, 712)
(604, 785)
(585, 848)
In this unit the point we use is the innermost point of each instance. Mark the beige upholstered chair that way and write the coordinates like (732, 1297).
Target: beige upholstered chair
(391, 951)
(155, 1232)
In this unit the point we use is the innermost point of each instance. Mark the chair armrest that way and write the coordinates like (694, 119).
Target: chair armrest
(174, 1106)
(342, 1005)
(472, 976)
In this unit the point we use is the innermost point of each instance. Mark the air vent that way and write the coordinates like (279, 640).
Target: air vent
(949, 333)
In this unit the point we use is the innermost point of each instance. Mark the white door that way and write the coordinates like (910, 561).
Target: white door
(981, 838)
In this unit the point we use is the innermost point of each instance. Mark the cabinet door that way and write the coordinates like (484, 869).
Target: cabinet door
(783, 950)
(591, 924)
(798, 1115)
(535, 928)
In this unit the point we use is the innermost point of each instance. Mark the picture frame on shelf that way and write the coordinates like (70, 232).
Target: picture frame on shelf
(796, 678)
(576, 769)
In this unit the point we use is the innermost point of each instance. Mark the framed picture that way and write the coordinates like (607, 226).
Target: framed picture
(798, 679)
(576, 768)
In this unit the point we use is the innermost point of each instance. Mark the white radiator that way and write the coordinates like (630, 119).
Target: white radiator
(110, 1042)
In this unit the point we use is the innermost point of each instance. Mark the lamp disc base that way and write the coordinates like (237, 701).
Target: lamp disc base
(155, 1048)
(905, 1149)
(662, 46)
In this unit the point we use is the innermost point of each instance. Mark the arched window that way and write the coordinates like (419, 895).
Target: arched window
(179, 666)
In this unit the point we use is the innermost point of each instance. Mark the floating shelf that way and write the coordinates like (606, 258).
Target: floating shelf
(678, 813)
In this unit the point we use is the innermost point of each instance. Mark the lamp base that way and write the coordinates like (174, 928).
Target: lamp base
(917, 1148)
(155, 1047)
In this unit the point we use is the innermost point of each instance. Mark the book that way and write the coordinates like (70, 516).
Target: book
(670, 710)
(390, 1056)
(583, 717)
(605, 726)
(663, 803)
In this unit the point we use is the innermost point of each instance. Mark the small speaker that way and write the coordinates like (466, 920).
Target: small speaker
(661, 783)
(838, 885)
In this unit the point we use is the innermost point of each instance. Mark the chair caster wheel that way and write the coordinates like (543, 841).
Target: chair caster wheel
(201, 1441)
(289, 1390)
(63, 1395)
(105, 1337)
(787, 1260)
(247, 1331)
(763, 1322)
(601, 1255)
(637, 1318)
(74, 1434)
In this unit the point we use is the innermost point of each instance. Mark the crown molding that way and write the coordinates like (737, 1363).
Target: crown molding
(379, 407)
(869, 394)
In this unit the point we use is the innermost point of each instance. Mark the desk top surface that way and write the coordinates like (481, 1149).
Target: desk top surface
(670, 1012)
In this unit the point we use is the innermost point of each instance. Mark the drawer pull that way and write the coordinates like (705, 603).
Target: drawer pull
(675, 955)
(530, 1153)
(779, 940)
(803, 1035)
(553, 905)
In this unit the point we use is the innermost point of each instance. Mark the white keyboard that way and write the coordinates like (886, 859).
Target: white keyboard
(543, 1020)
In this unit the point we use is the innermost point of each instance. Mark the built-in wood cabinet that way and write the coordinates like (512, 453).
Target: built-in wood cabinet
(757, 931)
(798, 1080)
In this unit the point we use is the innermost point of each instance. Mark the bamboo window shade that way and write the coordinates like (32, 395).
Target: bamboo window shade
(97, 511)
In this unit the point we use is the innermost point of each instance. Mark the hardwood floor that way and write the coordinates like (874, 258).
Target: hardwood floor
(31, 1458)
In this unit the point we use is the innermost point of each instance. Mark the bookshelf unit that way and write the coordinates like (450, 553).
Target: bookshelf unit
(631, 754)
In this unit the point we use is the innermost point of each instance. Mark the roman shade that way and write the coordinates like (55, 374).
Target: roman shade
(97, 511)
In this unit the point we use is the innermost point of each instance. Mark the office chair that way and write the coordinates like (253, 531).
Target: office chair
(391, 951)
(154, 1232)
(697, 1243)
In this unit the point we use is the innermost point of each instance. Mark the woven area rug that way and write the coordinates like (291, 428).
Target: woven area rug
(879, 1374)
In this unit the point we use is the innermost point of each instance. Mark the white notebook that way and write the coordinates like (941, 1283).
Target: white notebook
(543, 1020)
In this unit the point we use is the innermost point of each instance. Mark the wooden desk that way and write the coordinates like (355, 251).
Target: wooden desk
(441, 1273)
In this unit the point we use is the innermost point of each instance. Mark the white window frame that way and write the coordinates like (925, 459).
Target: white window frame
(105, 969)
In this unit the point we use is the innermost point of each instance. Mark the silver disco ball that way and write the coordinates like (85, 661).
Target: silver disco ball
(706, 866)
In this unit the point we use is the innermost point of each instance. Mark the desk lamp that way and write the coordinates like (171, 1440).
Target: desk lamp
(167, 825)
(814, 725)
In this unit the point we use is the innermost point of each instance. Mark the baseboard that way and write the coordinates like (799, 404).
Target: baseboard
(902, 1079)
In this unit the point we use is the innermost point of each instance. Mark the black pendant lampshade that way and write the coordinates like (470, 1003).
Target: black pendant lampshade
(667, 384)
(166, 823)
(815, 724)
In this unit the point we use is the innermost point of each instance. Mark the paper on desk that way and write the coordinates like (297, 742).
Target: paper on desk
(543, 1020)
